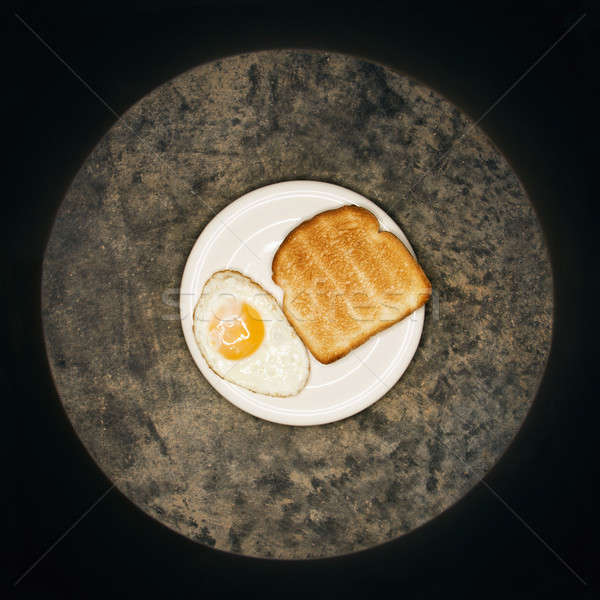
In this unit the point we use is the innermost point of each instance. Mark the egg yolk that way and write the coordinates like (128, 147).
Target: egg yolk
(236, 331)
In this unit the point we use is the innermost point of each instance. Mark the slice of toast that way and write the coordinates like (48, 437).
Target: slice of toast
(344, 281)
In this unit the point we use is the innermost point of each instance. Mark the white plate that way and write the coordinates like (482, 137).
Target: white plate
(244, 237)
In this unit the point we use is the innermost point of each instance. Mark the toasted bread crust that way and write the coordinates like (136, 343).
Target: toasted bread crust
(345, 281)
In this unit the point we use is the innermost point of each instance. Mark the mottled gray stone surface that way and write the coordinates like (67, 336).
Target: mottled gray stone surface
(129, 385)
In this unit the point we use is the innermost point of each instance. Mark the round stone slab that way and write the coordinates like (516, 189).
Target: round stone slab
(129, 385)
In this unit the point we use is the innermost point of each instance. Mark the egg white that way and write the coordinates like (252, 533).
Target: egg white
(280, 366)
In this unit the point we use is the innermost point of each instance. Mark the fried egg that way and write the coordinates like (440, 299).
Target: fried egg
(246, 339)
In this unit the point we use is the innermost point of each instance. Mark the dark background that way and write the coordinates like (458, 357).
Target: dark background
(471, 53)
